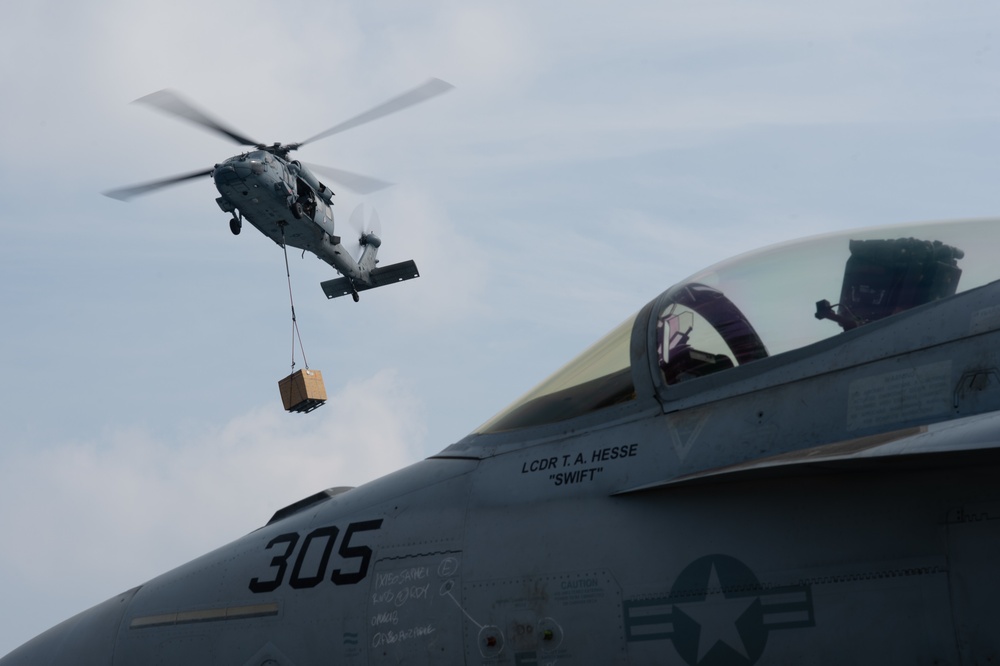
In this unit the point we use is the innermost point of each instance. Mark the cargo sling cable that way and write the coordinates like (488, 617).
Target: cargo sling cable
(291, 301)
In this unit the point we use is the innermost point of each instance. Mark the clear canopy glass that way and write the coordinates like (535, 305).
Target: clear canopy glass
(768, 302)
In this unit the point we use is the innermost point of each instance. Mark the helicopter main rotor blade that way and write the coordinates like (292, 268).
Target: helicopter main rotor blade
(126, 193)
(355, 182)
(432, 88)
(172, 103)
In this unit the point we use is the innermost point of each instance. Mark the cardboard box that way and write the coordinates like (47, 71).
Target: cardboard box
(302, 391)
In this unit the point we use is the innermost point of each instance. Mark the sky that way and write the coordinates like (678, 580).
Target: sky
(591, 155)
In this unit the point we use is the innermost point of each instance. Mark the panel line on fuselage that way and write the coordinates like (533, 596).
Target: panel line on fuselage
(205, 615)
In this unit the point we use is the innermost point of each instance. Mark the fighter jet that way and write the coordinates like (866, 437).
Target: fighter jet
(791, 457)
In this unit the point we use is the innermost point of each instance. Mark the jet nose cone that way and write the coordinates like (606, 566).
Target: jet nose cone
(87, 639)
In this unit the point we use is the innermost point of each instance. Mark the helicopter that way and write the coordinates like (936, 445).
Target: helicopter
(740, 473)
(284, 199)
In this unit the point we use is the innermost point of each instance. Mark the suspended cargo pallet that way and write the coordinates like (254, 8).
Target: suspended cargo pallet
(302, 391)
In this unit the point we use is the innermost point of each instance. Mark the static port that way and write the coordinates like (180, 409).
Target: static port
(552, 635)
(490, 641)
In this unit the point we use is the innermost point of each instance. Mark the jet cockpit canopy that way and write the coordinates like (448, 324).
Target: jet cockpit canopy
(768, 302)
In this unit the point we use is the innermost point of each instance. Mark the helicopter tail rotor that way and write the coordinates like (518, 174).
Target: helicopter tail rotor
(368, 233)
(375, 224)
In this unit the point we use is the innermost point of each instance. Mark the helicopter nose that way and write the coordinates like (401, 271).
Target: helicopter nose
(88, 639)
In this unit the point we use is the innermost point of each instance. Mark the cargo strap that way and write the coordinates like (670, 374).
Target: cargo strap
(291, 301)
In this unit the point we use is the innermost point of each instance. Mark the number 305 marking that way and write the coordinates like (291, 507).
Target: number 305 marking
(322, 537)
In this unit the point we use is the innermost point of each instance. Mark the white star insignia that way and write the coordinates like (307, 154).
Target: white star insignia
(717, 616)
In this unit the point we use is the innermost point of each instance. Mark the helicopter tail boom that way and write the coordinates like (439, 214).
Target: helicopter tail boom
(377, 277)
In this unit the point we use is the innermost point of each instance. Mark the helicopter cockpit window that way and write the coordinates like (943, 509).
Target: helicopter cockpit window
(258, 162)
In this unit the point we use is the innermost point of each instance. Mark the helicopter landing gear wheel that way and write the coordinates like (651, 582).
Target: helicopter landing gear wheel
(235, 225)
(297, 210)
(355, 296)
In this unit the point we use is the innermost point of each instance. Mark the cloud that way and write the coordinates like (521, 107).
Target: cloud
(109, 513)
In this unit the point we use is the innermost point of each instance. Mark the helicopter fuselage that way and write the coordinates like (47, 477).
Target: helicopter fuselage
(284, 200)
(287, 203)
